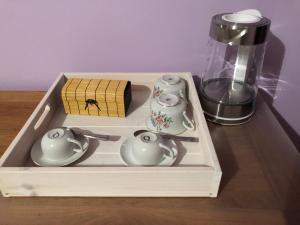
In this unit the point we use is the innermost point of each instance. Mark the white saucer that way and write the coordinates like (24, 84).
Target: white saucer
(39, 159)
(128, 158)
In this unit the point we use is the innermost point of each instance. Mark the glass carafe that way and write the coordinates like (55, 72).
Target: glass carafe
(229, 82)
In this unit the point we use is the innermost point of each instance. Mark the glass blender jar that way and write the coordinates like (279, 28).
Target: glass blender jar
(228, 85)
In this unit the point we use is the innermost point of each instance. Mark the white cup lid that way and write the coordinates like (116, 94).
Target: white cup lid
(241, 18)
(168, 100)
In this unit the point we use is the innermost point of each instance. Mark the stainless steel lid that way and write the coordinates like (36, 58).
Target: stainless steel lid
(239, 29)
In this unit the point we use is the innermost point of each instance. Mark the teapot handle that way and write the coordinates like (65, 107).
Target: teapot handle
(80, 149)
(172, 151)
(188, 124)
(181, 94)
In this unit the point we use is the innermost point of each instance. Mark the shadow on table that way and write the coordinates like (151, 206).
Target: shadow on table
(282, 163)
(279, 160)
(291, 132)
(226, 157)
(272, 85)
(291, 195)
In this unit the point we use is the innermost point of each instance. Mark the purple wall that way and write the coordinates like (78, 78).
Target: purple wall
(39, 39)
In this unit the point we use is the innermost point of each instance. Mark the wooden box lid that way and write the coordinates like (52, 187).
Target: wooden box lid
(100, 90)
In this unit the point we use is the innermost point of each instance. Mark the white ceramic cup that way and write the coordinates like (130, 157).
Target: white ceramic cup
(168, 115)
(170, 84)
(148, 149)
(58, 144)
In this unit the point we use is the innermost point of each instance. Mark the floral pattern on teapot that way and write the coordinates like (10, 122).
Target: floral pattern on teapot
(160, 120)
(157, 91)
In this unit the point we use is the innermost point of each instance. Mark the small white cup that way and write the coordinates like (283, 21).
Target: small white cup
(168, 115)
(149, 149)
(170, 84)
(58, 144)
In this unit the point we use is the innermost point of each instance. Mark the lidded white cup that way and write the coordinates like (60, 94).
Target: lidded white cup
(168, 115)
(149, 149)
(59, 144)
(170, 84)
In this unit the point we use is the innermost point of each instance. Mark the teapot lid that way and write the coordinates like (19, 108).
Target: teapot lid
(170, 79)
(168, 100)
(247, 27)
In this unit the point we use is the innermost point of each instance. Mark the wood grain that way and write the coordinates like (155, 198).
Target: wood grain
(15, 108)
(260, 183)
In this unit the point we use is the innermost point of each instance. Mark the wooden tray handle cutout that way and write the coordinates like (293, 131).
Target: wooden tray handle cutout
(42, 117)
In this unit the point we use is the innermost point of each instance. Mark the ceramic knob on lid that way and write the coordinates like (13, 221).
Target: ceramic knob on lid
(148, 138)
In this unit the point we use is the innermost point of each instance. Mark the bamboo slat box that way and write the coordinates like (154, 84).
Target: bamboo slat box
(97, 97)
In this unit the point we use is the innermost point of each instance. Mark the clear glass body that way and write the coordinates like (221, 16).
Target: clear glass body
(231, 73)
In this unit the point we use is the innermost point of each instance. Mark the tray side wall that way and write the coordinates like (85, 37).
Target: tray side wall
(189, 183)
(193, 95)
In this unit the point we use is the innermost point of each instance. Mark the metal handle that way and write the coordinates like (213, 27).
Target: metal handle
(97, 136)
(180, 138)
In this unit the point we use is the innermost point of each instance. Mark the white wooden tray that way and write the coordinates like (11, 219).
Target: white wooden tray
(101, 172)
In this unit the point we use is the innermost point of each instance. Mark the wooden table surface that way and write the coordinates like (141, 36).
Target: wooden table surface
(260, 183)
